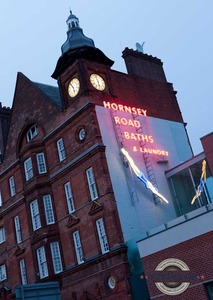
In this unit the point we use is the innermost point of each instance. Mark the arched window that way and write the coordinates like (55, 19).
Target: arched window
(32, 132)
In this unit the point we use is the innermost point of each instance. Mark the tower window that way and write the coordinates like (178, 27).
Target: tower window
(42, 262)
(12, 186)
(18, 229)
(32, 132)
(2, 235)
(61, 149)
(41, 163)
(92, 184)
(28, 168)
(102, 235)
(69, 197)
(56, 257)
(35, 215)
(48, 208)
(0, 199)
(23, 271)
(3, 274)
(78, 247)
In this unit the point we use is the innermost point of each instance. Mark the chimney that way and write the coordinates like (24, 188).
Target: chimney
(143, 65)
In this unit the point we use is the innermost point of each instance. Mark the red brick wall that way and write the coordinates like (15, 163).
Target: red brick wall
(32, 106)
(197, 254)
(157, 97)
(207, 142)
(92, 275)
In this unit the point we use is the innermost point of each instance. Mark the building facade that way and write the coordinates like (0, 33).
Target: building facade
(72, 208)
(58, 213)
(187, 239)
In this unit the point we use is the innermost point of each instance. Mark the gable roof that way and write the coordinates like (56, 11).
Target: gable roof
(52, 92)
(32, 103)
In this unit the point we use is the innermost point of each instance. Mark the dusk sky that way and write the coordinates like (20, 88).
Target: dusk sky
(179, 32)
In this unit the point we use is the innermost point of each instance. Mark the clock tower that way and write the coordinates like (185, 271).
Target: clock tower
(83, 73)
(82, 69)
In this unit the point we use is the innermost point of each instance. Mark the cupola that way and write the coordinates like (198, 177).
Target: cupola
(78, 47)
(75, 36)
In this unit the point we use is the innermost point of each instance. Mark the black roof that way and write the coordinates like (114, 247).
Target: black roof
(87, 53)
(52, 92)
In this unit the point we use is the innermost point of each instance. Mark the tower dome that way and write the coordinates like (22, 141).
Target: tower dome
(75, 36)
(78, 46)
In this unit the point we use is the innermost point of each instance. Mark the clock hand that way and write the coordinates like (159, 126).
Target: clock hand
(98, 82)
(73, 87)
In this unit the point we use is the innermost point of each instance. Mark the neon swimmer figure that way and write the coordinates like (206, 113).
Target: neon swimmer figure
(141, 176)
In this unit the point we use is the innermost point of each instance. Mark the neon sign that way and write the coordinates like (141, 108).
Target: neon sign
(150, 151)
(129, 122)
(202, 182)
(141, 176)
(133, 123)
(138, 137)
(124, 108)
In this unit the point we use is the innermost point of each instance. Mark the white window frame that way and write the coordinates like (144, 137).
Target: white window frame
(35, 215)
(28, 168)
(18, 229)
(69, 197)
(41, 163)
(48, 208)
(12, 186)
(102, 236)
(56, 257)
(32, 132)
(92, 184)
(3, 273)
(78, 247)
(23, 271)
(42, 262)
(2, 235)
(0, 198)
(61, 150)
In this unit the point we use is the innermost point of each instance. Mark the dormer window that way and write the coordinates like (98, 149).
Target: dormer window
(32, 132)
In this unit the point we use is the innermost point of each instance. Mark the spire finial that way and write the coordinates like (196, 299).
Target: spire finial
(75, 36)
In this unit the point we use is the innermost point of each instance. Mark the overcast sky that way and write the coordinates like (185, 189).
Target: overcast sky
(179, 32)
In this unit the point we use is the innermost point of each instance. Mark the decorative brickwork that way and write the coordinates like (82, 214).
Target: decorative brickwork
(197, 254)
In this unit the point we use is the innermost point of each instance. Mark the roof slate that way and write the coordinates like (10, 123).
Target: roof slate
(52, 92)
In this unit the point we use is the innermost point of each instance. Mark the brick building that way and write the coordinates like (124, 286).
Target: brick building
(5, 114)
(72, 209)
(187, 238)
(58, 213)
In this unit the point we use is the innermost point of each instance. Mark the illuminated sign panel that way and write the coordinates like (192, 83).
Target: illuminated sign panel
(138, 137)
(133, 123)
(124, 108)
(124, 121)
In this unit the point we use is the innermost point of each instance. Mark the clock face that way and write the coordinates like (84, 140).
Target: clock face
(98, 82)
(73, 87)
